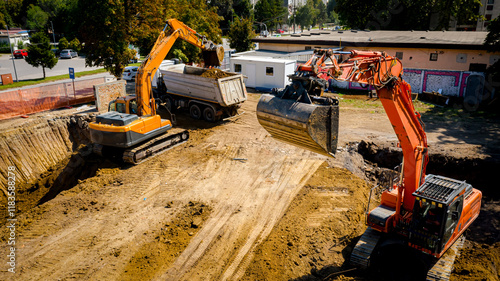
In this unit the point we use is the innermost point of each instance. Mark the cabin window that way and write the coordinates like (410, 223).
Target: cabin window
(399, 55)
(308, 48)
(237, 67)
(433, 57)
(269, 71)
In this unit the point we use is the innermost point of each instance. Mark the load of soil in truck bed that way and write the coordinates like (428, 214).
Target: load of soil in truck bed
(215, 73)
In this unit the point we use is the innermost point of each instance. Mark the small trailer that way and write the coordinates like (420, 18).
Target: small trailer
(209, 97)
(263, 72)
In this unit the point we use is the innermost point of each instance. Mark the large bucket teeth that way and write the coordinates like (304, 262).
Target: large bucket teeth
(310, 126)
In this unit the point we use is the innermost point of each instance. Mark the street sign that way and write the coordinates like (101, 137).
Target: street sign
(71, 73)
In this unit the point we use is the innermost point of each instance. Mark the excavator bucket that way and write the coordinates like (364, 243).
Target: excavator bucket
(310, 126)
(213, 57)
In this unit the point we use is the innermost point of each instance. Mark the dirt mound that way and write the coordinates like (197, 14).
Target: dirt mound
(316, 234)
(478, 262)
(215, 73)
(168, 244)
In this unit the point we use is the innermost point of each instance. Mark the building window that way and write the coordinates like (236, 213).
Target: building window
(237, 68)
(308, 48)
(490, 2)
(433, 57)
(489, 7)
(399, 55)
(488, 16)
(269, 71)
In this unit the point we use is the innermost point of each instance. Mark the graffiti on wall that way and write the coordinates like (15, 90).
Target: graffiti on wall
(447, 82)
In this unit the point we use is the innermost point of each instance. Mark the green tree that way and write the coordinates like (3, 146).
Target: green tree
(306, 15)
(40, 53)
(322, 16)
(492, 43)
(63, 43)
(405, 14)
(243, 8)
(75, 45)
(241, 35)
(20, 45)
(106, 27)
(270, 12)
(225, 11)
(37, 18)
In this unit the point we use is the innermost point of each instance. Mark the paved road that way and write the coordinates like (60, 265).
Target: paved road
(26, 71)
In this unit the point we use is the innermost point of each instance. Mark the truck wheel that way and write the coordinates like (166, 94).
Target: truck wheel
(209, 114)
(195, 111)
(169, 104)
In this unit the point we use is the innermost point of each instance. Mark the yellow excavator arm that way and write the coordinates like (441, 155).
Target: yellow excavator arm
(212, 54)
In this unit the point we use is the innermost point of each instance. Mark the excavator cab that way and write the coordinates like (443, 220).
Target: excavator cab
(439, 215)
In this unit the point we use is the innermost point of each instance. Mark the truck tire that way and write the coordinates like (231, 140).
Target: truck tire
(195, 111)
(209, 114)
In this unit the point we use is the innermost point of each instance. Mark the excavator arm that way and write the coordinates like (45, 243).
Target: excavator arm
(384, 72)
(174, 29)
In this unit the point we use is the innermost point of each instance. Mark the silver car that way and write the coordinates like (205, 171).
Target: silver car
(68, 54)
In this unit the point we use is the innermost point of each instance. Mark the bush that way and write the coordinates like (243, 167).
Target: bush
(63, 43)
(75, 45)
(5, 48)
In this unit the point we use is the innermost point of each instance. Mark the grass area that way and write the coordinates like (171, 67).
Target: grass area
(50, 79)
(429, 111)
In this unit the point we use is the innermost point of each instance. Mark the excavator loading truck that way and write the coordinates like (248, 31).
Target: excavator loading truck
(426, 213)
(132, 127)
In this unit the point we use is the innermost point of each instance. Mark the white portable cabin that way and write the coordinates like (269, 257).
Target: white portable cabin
(264, 72)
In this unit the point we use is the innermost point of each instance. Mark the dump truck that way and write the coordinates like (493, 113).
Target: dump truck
(211, 97)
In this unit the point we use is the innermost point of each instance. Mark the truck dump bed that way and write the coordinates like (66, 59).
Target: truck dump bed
(187, 81)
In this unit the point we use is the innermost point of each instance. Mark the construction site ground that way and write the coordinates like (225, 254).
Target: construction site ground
(234, 204)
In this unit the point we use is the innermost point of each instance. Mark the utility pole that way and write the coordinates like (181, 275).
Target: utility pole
(12, 53)
(293, 16)
(53, 34)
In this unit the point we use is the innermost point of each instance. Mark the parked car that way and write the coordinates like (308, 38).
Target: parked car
(129, 72)
(68, 54)
(20, 54)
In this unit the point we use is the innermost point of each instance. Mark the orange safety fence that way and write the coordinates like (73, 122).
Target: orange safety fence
(36, 99)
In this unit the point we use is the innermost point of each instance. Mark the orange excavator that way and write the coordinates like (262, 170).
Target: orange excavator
(426, 213)
(131, 127)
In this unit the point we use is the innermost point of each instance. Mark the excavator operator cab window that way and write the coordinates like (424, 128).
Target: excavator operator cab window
(133, 106)
(118, 107)
(430, 215)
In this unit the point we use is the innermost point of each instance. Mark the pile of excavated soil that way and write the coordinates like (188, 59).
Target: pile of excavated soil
(478, 262)
(316, 235)
(215, 73)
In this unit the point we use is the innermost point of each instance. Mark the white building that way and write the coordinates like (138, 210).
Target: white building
(16, 35)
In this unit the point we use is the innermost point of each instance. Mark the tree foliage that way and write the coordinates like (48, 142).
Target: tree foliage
(270, 12)
(405, 14)
(492, 43)
(39, 52)
(105, 29)
(63, 43)
(75, 45)
(241, 34)
(243, 8)
(37, 18)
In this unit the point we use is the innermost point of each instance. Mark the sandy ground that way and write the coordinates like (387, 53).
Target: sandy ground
(197, 212)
